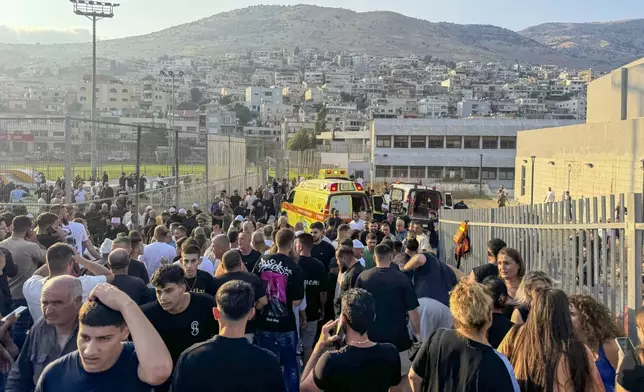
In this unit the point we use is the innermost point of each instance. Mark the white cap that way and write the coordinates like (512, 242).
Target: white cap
(239, 218)
(195, 205)
(172, 210)
(106, 246)
(182, 211)
(357, 244)
(116, 220)
(299, 232)
(30, 216)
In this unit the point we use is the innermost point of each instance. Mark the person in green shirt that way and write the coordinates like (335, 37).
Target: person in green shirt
(367, 254)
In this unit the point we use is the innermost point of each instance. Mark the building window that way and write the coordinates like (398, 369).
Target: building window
(401, 141)
(124, 90)
(112, 90)
(417, 172)
(506, 173)
(124, 99)
(83, 98)
(435, 142)
(434, 172)
(471, 173)
(418, 142)
(383, 171)
(399, 172)
(490, 142)
(83, 89)
(383, 141)
(112, 99)
(191, 129)
(488, 173)
(508, 142)
(359, 174)
(453, 172)
(453, 142)
(522, 180)
(471, 141)
(59, 134)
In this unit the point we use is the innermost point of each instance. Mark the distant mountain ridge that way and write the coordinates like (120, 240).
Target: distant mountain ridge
(603, 43)
(324, 28)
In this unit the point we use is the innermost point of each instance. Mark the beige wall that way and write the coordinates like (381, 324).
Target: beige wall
(615, 149)
(605, 94)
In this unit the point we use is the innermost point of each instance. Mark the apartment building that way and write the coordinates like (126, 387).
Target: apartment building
(470, 108)
(287, 77)
(112, 95)
(255, 96)
(449, 149)
(274, 112)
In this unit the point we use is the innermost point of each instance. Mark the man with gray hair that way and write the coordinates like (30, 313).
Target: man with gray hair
(51, 337)
(220, 245)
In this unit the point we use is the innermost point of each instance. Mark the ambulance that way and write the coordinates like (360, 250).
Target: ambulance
(316, 200)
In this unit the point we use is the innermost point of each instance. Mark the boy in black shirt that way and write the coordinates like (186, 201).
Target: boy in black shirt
(276, 329)
(481, 272)
(315, 277)
(181, 318)
(103, 359)
(228, 362)
(361, 365)
(233, 270)
(196, 280)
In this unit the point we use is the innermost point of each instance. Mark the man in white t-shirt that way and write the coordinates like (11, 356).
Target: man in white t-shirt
(356, 223)
(550, 196)
(75, 233)
(62, 259)
(79, 196)
(159, 252)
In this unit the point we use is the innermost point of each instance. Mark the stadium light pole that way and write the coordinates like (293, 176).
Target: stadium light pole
(94, 11)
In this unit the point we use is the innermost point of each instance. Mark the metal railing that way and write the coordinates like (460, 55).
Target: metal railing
(590, 246)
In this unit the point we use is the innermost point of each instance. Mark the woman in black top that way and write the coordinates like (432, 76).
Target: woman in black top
(532, 282)
(501, 325)
(462, 359)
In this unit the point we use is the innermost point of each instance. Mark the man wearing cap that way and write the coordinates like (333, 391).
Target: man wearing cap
(196, 209)
(174, 216)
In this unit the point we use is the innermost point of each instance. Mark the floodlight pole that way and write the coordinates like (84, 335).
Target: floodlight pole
(94, 11)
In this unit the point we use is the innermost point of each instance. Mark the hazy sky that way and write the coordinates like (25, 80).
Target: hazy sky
(135, 17)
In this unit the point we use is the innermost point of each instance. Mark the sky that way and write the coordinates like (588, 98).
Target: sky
(135, 17)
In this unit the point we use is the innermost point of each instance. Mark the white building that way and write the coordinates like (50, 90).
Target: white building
(255, 96)
(314, 78)
(337, 79)
(112, 95)
(449, 149)
(275, 112)
(468, 108)
(433, 107)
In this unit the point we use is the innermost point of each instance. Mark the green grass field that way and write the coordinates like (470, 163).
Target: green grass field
(56, 170)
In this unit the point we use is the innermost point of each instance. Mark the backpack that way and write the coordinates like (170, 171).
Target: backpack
(462, 241)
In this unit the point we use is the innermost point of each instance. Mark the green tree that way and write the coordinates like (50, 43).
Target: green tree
(187, 106)
(195, 94)
(226, 100)
(320, 117)
(302, 140)
(243, 114)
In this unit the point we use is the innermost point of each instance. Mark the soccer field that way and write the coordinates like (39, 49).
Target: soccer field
(53, 171)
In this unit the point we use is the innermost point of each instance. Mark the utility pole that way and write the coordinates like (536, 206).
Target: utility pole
(94, 11)
(171, 150)
(533, 158)
(481, 176)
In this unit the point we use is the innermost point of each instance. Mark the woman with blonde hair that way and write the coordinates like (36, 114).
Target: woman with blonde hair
(531, 283)
(595, 327)
(546, 353)
(461, 359)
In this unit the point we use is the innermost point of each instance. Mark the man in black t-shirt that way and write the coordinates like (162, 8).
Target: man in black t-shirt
(118, 261)
(276, 329)
(315, 277)
(361, 364)
(228, 362)
(248, 254)
(197, 281)
(395, 302)
(373, 228)
(481, 272)
(235, 199)
(103, 357)
(322, 250)
(350, 269)
(135, 268)
(233, 270)
(181, 318)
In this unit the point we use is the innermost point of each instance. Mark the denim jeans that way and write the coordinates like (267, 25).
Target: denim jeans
(22, 325)
(284, 346)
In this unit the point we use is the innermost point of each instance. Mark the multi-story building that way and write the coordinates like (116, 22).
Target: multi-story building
(470, 108)
(275, 112)
(451, 150)
(287, 76)
(255, 96)
(112, 95)
(314, 78)
(337, 78)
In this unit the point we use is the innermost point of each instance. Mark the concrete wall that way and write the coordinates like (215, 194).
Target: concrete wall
(613, 149)
(618, 95)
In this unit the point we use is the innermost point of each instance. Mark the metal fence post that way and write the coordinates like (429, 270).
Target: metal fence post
(207, 164)
(69, 180)
(176, 163)
(633, 239)
(138, 224)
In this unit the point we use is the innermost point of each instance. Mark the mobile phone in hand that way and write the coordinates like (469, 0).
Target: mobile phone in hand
(16, 311)
(627, 348)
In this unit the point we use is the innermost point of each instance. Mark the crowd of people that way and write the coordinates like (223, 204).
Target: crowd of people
(235, 299)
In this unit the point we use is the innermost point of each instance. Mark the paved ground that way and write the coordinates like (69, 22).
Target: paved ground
(484, 203)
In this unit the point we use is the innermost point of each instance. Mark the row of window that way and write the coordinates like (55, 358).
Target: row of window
(465, 173)
(470, 142)
(112, 90)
